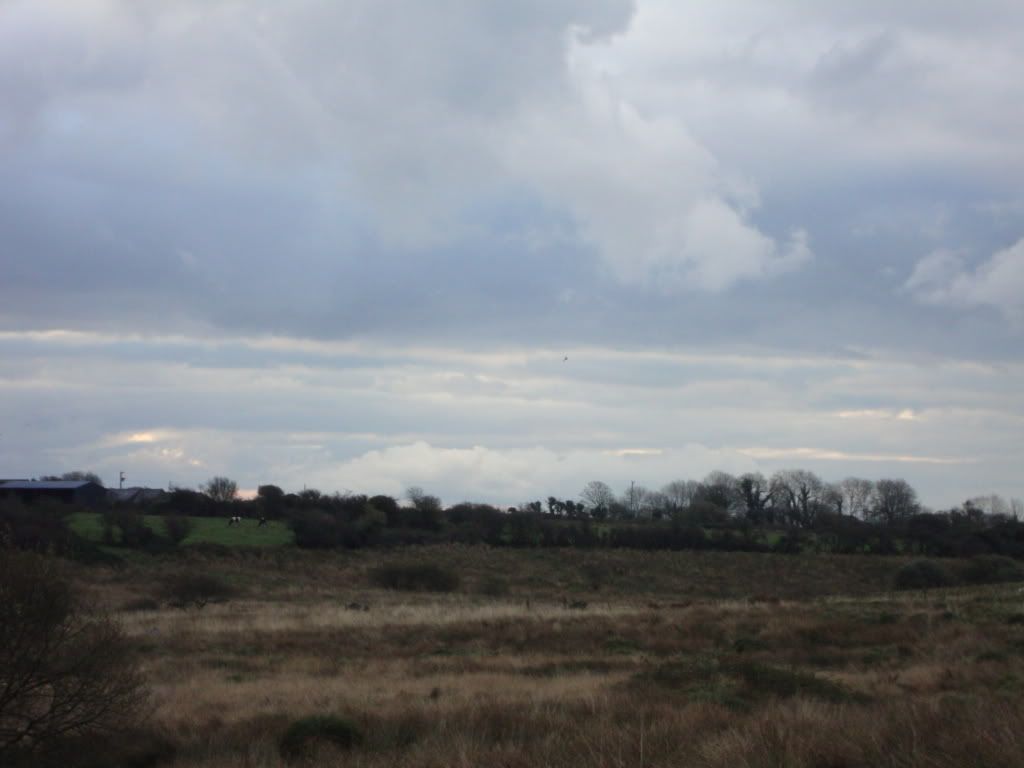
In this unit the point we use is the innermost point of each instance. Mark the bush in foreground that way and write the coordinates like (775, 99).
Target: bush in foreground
(304, 735)
(992, 569)
(65, 675)
(922, 574)
(178, 528)
(39, 528)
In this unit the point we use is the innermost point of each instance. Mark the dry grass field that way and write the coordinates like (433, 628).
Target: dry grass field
(676, 659)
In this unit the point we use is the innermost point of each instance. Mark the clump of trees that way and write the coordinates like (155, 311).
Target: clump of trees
(794, 498)
(222, 490)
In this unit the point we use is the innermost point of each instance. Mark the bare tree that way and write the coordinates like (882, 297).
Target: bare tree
(639, 501)
(799, 494)
(597, 496)
(221, 489)
(657, 505)
(681, 493)
(629, 499)
(993, 504)
(429, 508)
(755, 493)
(832, 498)
(1017, 508)
(892, 501)
(856, 492)
(722, 490)
(63, 672)
(421, 499)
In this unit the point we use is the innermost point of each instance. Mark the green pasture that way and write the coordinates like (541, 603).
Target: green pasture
(206, 530)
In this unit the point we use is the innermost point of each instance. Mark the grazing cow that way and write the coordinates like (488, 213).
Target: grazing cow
(262, 522)
(234, 520)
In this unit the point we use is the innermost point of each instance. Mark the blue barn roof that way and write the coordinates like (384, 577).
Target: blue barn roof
(44, 485)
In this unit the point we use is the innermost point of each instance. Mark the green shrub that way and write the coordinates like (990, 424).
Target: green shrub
(134, 533)
(922, 574)
(302, 735)
(992, 569)
(178, 527)
(417, 577)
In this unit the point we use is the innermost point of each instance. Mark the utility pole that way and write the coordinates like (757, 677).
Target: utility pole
(120, 479)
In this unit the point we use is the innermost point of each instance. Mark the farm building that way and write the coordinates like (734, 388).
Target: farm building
(84, 493)
(135, 495)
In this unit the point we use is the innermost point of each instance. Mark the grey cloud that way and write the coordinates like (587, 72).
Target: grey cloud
(310, 155)
(845, 63)
(943, 278)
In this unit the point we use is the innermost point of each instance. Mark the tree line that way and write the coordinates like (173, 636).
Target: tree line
(791, 497)
(790, 511)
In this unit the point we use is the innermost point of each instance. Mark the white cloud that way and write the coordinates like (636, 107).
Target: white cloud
(881, 414)
(651, 200)
(933, 277)
(513, 475)
(819, 98)
(943, 278)
(824, 454)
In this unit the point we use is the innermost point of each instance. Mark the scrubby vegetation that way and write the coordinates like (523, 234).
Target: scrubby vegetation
(711, 659)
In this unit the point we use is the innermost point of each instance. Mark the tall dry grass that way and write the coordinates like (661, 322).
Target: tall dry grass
(640, 677)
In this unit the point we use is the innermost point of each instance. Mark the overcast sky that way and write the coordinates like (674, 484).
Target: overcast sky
(349, 244)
